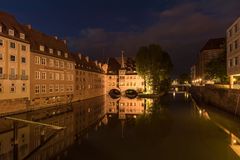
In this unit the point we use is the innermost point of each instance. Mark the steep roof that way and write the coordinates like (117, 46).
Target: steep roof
(216, 43)
(7, 22)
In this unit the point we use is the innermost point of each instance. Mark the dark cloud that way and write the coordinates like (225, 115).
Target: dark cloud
(181, 30)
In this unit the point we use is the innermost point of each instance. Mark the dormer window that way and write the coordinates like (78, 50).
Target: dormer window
(66, 55)
(51, 50)
(11, 32)
(41, 48)
(22, 35)
(59, 53)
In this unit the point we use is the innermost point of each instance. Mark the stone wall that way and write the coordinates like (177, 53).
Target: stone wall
(226, 99)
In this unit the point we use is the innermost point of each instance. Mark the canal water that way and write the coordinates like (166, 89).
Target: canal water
(172, 128)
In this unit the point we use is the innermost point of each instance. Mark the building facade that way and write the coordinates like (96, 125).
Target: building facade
(233, 51)
(89, 78)
(211, 50)
(52, 70)
(14, 65)
(122, 75)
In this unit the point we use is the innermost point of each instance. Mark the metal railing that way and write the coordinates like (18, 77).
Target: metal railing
(13, 76)
(24, 77)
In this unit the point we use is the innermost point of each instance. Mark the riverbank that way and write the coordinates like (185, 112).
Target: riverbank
(224, 99)
(151, 95)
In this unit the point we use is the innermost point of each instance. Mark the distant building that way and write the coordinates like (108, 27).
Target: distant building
(14, 65)
(122, 75)
(52, 69)
(211, 50)
(233, 50)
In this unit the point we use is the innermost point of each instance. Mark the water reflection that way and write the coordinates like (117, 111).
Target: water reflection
(43, 142)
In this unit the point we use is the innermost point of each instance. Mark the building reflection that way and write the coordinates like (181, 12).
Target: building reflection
(41, 142)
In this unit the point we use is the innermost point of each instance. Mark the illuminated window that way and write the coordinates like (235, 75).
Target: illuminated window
(22, 36)
(51, 50)
(37, 75)
(44, 61)
(41, 48)
(11, 32)
(56, 88)
(59, 53)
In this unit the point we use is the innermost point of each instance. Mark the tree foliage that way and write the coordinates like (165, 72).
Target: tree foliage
(184, 77)
(216, 69)
(154, 65)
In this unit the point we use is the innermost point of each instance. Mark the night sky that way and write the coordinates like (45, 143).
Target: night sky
(101, 28)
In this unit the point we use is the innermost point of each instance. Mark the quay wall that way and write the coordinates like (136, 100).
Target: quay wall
(225, 99)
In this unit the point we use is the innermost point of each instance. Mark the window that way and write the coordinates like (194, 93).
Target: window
(230, 47)
(12, 58)
(56, 76)
(236, 44)
(41, 48)
(37, 60)
(12, 88)
(44, 61)
(0, 28)
(1, 72)
(61, 64)
(230, 62)
(62, 76)
(59, 53)
(61, 88)
(57, 63)
(44, 75)
(22, 36)
(1, 42)
(37, 75)
(43, 88)
(12, 71)
(23, 87)
(51, 75)
(12, 45)
(236, 61)
(24, 48)
(1, 56)
(1, 88)
(23, 59)
(51, 62)
(23, 72)
(11, 32)
(37, 89)
(66, 55)
(51, 88)
(51, 50)
(56, 88)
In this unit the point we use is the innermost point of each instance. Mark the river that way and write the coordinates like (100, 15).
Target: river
(172, 128)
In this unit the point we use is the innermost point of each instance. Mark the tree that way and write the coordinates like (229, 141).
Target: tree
(216, 69)
(154, 65)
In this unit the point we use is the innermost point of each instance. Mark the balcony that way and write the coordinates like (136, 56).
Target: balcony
(24, 77)
(13, 76)
(3, 76)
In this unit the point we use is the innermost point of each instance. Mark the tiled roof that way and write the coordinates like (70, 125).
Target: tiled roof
(217, 43)
(114, 64)
(88, 65)
(7, 22)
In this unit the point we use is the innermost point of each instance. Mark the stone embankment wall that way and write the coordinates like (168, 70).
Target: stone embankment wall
(226, 99)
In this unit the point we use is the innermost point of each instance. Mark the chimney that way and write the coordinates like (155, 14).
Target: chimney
(29, 26)
(87, 58)
(56, 37)
(80, 56)
(96, 62)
